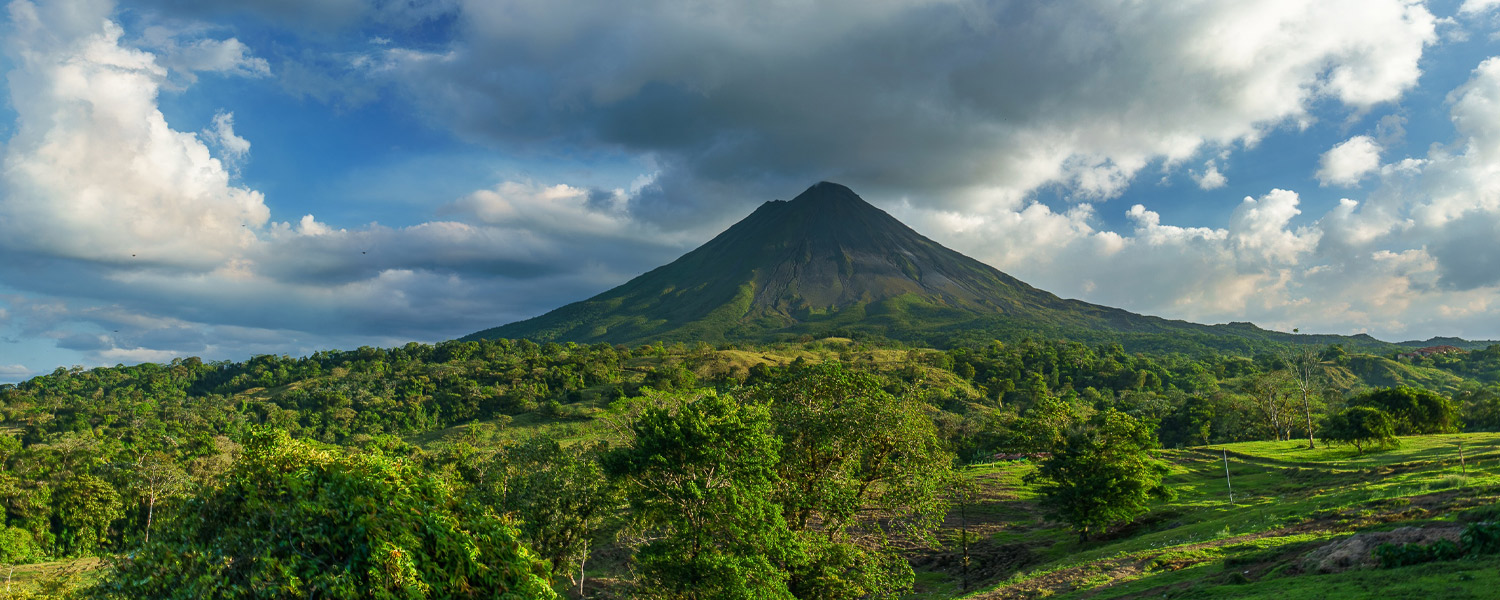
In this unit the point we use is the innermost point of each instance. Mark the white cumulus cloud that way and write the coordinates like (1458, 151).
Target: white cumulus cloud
(1349, 161)
(94, 171)
(1210, 178)
(130, 239)
(221, 133)
(1470, 7)
(1414, 257)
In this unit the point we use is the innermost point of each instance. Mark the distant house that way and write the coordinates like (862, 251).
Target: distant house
(1430, 350)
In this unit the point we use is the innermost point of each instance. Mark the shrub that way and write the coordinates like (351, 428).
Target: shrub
(1476, 539)
(1444, 550)
(1481, 538)
(1401, 555)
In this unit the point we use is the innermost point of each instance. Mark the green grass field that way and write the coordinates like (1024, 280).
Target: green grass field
(1288, 501)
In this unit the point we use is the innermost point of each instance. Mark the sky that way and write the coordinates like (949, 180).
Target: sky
(226, 178)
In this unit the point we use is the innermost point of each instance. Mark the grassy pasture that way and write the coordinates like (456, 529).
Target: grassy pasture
(1288, 501)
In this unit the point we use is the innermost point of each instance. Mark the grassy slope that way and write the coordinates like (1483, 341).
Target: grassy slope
(1383, 372)
(1288, 501)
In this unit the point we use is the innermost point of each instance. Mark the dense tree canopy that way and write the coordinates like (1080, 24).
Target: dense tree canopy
(850, 448)
(101, 461)
(1413, 411)
(700, 473)
(1361, 427)
(1102, 473)
(295, 519)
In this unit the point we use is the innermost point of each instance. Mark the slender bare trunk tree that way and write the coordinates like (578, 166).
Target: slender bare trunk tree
(157, 476)
(1309, 380)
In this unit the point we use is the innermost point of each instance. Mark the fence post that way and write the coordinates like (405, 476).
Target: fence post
(1226, 476)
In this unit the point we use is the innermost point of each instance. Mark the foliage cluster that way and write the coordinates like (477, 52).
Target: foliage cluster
(1477, 539)
(292, 518)
(1100, 473)
(1361, 427)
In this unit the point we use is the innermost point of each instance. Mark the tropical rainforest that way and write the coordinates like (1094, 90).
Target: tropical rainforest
(828, 468)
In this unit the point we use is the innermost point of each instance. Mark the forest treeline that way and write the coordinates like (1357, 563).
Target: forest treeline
(795, 448)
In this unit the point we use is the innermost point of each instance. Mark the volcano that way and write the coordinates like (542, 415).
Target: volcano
(827, 263)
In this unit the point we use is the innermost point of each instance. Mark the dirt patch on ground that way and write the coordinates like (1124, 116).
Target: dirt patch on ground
(988, 562)
(1356, 551)
(1105, 572)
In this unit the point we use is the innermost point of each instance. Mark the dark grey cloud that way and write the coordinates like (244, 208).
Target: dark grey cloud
(1468, 251)
(920, 98)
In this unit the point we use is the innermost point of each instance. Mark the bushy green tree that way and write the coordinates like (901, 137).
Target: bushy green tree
(1360, 426)
(850, 449)
(1102, 473)
(293, 519)
(1045, 426)
(561, 496)
(699, 473)
(18, 546)
(1413, 411)
(85, 506)
(1481, 406)
(1191, 424)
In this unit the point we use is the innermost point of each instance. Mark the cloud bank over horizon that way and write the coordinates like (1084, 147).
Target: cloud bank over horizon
(1291, 164)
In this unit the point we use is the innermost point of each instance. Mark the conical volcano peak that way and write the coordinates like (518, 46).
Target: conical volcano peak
(822, 210)
(823, 261)
(829, 263)
(826, 192)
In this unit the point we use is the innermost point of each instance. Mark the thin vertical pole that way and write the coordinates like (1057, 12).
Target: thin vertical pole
(1226, 476)
(1463, 468)
(963, 512)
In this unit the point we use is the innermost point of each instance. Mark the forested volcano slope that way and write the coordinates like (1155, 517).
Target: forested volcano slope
(829, 263)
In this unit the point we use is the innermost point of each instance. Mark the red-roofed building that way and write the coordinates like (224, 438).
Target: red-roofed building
(1430, 350)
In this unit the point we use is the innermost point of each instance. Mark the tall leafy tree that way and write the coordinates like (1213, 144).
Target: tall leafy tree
(699, 474)
(156, 477)
(85, 506)
(561, 496)
(1046, 424)
(849, 451)
(1102, 473)
(1270, 395)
